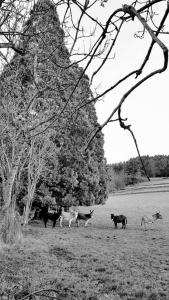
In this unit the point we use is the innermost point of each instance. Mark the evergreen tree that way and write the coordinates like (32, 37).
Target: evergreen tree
(39, 89)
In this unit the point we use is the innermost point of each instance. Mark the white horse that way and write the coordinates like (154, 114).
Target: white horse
(68, 216)
(150, 219)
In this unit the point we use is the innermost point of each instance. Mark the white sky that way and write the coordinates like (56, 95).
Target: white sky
(147, 108)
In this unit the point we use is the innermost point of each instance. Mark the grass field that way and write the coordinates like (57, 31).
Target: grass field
(96, 262)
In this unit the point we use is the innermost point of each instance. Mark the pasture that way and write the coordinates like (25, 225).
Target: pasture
(96, 262)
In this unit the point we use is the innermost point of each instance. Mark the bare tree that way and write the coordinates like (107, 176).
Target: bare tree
(10, 168)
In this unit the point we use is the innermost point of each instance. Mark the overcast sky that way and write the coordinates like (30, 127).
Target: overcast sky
(147, 108)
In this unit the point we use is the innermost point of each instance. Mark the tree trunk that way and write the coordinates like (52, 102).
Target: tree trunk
(11, 221)
(29, 204)
(8, 187)
(11, 231)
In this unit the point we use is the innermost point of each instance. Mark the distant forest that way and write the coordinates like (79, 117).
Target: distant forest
(131, 172)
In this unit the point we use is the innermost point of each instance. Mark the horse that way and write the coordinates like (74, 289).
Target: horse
(150, 219)
(46, 215)
(119, 219)
(68, 216)
(84, 217)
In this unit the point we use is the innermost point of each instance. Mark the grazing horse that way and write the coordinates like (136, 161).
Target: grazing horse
(84, 217)
(46, 215)
(68, 216)
(150, 219)
(119, 219)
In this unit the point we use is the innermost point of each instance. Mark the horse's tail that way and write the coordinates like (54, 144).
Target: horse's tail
(126, 220)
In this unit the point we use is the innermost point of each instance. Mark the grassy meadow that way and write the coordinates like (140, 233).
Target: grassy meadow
(96, 262)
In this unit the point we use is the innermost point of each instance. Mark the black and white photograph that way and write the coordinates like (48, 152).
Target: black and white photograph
(84, 150)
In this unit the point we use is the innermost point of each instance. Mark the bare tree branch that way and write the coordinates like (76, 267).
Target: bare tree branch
(132, 12)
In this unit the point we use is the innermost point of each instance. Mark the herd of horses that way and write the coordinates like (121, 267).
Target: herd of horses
(60, 215)
(74, 216)
(145, 220)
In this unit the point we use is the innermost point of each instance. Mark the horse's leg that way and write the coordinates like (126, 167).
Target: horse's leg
(54, 223)
(125, 222)
(145, 226)
(70, 223)
(45, 221)
(142, 223)
(60, 221)
(86, 222)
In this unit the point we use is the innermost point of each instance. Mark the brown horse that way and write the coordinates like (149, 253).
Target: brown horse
(84, 217)
(119, 219)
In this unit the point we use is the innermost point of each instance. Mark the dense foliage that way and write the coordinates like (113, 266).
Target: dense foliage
(37, 88)
(131, 171)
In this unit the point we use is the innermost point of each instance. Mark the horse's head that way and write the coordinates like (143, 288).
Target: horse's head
(158, 215)
(60, 209)
(91, 213)
(112, 216)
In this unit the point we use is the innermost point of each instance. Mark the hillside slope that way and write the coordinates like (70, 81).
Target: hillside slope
(154, 185)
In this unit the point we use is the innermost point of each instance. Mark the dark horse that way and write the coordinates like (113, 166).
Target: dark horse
(46, 215)
(119, 219)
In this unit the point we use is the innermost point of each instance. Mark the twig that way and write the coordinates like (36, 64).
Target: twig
(128, 127)
(40, 291)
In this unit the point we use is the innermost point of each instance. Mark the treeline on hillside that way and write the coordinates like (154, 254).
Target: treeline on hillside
(131, 172)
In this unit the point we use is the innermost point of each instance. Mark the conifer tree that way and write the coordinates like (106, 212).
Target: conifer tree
(43, 88)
